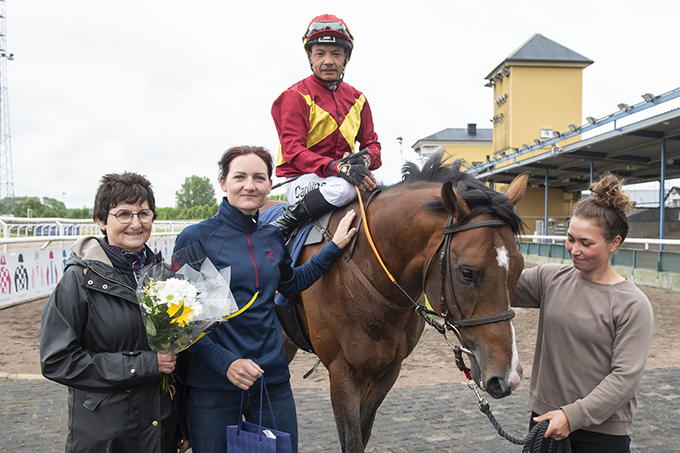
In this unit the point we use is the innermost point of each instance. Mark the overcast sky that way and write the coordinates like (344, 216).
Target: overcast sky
(163, 87)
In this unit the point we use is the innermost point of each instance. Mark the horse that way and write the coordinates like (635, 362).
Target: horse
(362, 331)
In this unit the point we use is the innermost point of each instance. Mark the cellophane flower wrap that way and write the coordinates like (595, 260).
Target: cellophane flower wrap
(183, 301)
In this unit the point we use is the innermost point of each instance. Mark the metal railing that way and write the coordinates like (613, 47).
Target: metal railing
(47, 240)
(635, 258)
(18, 227)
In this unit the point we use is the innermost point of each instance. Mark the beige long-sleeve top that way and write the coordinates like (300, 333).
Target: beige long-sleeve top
(591, 348)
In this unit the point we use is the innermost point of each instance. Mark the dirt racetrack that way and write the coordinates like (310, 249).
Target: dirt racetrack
(430, 363)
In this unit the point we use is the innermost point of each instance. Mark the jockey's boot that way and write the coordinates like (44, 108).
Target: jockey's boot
(312, 205)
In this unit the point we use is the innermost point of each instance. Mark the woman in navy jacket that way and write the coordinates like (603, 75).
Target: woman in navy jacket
(232, 357)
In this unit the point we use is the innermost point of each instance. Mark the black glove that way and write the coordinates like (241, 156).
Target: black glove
(359, 159)
(354, 174)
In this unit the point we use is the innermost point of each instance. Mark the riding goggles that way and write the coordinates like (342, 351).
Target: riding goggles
(316, 27)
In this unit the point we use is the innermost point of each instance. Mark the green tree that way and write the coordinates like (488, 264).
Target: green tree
(195, 191)
(83, 213)
(53, 204)
(18, 206)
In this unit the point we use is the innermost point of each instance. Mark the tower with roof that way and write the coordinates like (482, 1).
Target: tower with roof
(537, 89)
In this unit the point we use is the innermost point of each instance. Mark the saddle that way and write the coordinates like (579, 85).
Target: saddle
(285, 308)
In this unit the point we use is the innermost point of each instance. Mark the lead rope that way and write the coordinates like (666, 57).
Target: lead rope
(534, 440)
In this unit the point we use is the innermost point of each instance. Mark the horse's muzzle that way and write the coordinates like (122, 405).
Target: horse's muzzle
(496, 386)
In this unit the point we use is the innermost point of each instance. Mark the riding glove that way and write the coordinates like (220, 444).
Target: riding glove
(355, 159)
(354, 174)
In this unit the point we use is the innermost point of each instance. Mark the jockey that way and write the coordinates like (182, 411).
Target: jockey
(319, 120)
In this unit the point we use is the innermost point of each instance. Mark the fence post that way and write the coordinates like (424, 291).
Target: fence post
(5, 234)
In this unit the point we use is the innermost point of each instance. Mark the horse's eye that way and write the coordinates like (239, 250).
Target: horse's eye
(467, 274)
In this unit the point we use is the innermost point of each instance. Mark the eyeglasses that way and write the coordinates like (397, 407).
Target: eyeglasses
(125, 216)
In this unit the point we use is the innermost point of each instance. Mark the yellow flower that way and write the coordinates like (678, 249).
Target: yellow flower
(183, 318)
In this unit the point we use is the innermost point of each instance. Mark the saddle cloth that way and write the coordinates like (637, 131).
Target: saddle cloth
(286, 309)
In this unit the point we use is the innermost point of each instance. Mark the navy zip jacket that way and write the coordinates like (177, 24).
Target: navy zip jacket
(259, 262)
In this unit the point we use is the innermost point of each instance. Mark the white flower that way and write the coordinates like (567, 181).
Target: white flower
(174, 290)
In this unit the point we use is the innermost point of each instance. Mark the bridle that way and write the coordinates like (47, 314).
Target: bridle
(450, 323)
(459, 321)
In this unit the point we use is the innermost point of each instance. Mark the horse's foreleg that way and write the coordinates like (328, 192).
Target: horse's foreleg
(375, 394)
(346, 399)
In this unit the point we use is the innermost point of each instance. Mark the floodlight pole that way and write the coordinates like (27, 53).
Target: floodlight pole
(6, 173)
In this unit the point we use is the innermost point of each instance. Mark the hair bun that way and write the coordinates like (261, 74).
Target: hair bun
(608, 192)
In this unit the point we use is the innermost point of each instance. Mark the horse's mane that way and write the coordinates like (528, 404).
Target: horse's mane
(479, 197)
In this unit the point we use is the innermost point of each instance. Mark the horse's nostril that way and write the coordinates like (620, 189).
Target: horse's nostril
(498, 388)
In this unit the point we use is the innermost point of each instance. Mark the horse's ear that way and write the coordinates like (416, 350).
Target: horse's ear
(454, 203)
(517, 189)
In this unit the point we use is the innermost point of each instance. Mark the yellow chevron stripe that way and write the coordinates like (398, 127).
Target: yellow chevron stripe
(350, 126)
(280, 160)
(321, 123)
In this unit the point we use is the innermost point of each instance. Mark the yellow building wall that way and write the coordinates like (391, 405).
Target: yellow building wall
(538, 97)
(532, 207)
(470, 152)
(501, 128)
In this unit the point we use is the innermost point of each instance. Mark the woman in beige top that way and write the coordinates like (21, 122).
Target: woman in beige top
(594, 332)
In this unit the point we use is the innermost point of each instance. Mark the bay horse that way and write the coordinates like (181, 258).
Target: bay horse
(362, 336)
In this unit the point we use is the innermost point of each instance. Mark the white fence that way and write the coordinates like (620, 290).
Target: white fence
(646, 241)
(28, 272)
(23, 227)
(33, 272)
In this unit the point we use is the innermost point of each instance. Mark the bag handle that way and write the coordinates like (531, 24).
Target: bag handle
(240, 414)
(263, 391)
(271, 409)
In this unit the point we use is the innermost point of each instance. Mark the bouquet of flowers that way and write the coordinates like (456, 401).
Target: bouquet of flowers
(183, 302)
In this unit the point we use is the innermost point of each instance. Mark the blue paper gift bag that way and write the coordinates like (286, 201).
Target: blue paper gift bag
(249, 437)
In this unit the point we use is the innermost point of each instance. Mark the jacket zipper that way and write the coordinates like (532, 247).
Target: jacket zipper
(252, 257)
(337, 121)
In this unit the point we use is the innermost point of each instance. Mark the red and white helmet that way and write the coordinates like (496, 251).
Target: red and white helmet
(328, 29)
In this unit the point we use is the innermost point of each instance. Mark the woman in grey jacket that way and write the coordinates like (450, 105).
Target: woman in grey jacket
(594, 330)
(93, 338)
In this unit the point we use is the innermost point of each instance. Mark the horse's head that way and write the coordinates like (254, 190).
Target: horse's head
(479, 266)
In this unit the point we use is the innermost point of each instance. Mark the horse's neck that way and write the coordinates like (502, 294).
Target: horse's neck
(400, 214)
(404, 233)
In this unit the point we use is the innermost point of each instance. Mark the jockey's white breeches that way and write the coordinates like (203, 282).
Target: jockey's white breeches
(336, 191)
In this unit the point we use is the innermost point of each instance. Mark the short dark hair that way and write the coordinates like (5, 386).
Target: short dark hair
(236, 151)
(117, 188)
